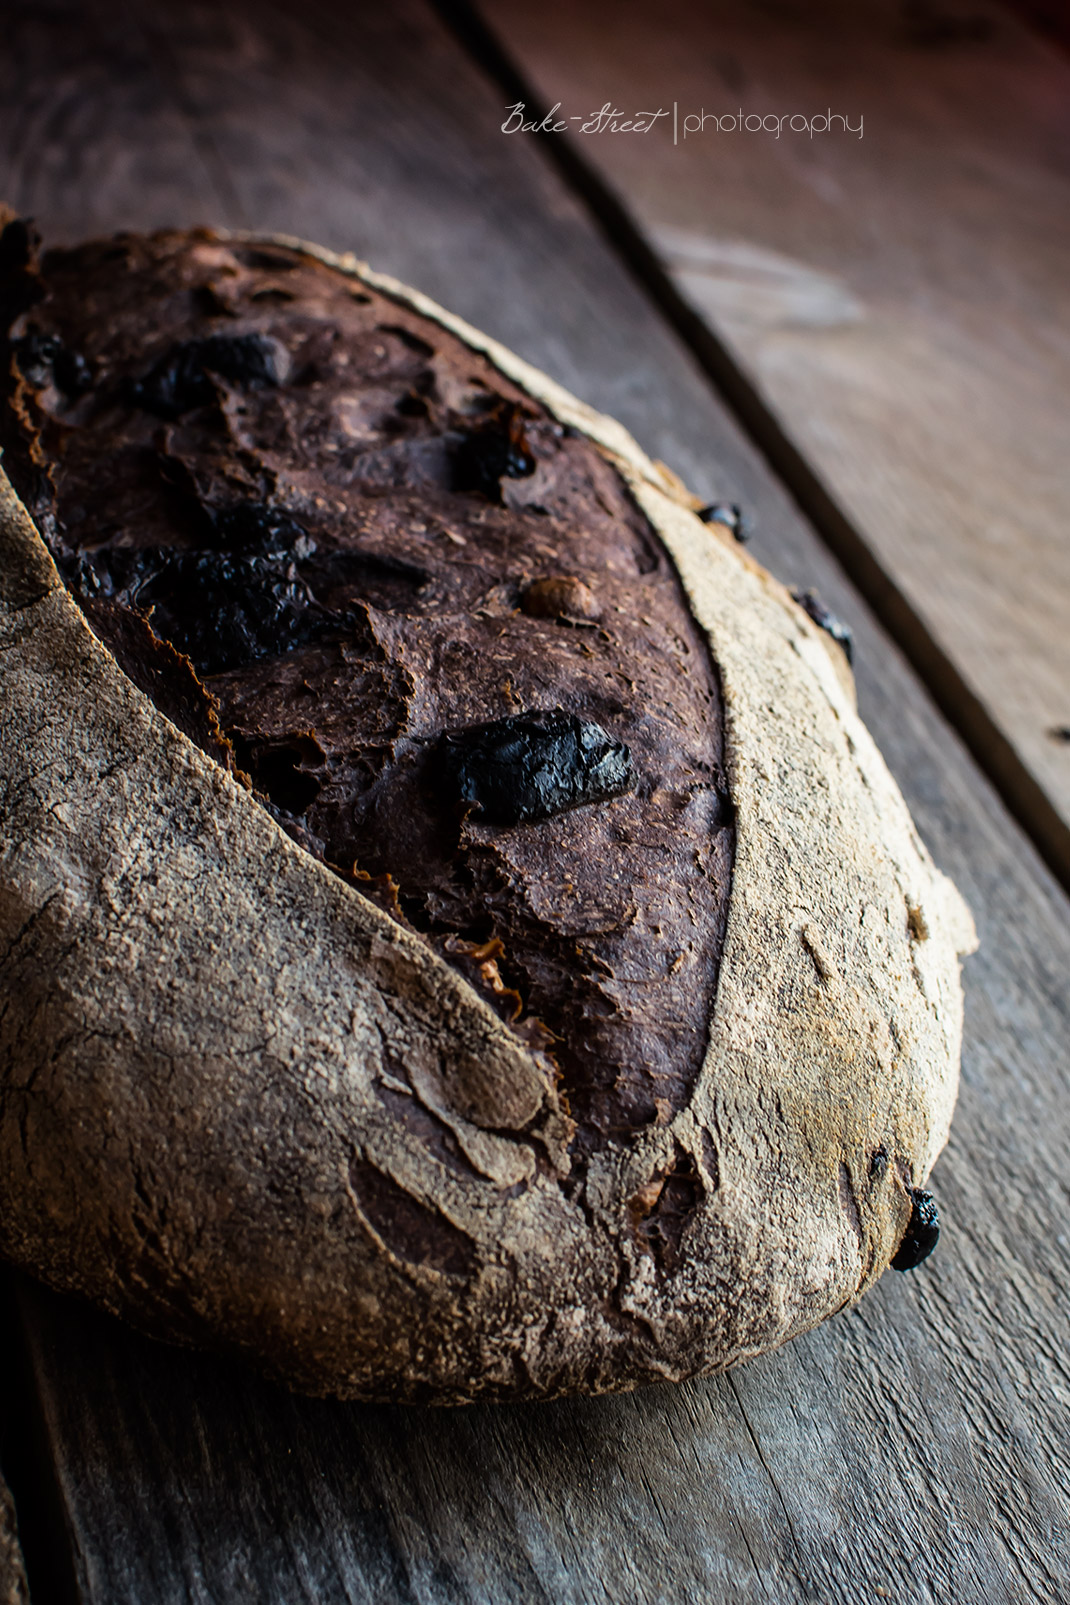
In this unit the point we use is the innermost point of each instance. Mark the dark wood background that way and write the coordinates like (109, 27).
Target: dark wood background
(913, 1449)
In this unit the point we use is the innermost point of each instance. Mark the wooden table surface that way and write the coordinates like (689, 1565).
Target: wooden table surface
(914, 1449)
(897, 298)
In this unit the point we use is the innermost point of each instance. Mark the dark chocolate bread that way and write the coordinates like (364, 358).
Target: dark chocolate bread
(342, 552)
(456, 937)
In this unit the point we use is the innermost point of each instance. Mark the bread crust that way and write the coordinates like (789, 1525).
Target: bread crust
(200, 1021)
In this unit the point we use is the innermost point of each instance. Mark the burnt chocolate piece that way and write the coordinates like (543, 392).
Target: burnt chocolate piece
(494, 450)
(840, 632)
(114, 573)
(731, 515)
(43, 358)
(533, 765)
(921, 1234)
(251, 528)
(226, 609)
(368, 538)
(181, 380)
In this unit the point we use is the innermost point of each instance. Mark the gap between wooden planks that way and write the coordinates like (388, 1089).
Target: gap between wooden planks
(887, 316)
(916, 1444)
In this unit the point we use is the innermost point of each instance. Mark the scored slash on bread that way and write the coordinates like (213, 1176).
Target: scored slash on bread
(247, 1105)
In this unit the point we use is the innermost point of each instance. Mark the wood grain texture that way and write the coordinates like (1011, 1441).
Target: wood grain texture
(895, 299)
(917, 1444)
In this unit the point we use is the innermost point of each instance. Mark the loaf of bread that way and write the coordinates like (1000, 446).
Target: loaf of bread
(459, 940)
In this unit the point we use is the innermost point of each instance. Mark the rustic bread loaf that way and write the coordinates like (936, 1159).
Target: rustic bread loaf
(459, 938)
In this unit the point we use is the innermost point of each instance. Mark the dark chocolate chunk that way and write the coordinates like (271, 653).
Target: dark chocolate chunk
(413, 405)
(43, 358)
(115, 573)
(256, 530)
(497, 449)
(731, 515)
(1060, 732)
(181, 380)
(921, 1234)
(222, 609)
(531, 766)
(811, 603)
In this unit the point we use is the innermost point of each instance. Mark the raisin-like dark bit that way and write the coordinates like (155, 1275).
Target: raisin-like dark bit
(921, 1234)
(223, 609)
(731, 515)
(812, 604)
(44, 359)
(232, 605)
(258, 531)
(531, 766)
(497, 449)
(111, 574)
(181, 380)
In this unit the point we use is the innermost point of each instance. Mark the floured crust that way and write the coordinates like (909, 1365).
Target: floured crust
(205, 1027)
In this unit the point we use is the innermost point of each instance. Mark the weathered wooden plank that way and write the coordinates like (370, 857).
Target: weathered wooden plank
(916, 1444)
(894, 299)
